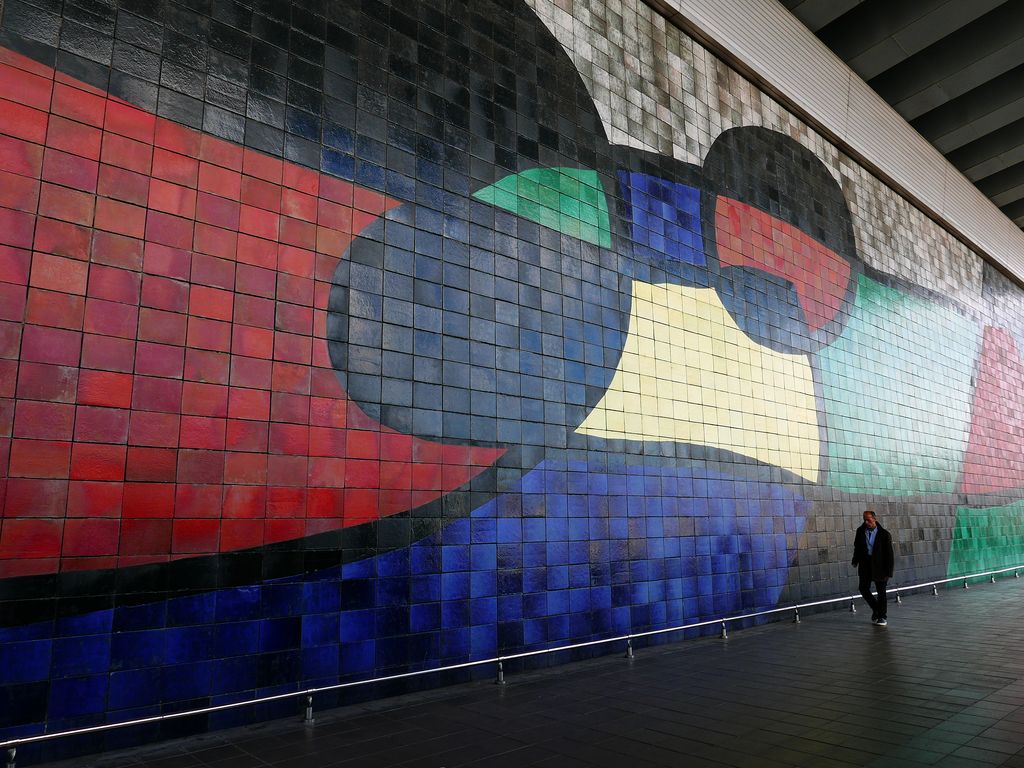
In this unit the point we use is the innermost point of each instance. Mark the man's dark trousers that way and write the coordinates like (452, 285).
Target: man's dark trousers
(878, 604)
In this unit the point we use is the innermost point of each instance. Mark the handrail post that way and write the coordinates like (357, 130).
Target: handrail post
(629, 648)
(965, 582)
(853, 606)
(796, 614)
(309, 719)
(992, 579)
(725, 632)
(12, 755)
(501, 674)
(935, 590)
(898, 600)
(1016, 574)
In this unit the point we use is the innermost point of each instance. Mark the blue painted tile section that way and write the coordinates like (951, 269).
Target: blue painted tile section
(577, 555)
(664, 218)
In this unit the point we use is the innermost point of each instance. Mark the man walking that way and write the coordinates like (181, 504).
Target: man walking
(873, 558)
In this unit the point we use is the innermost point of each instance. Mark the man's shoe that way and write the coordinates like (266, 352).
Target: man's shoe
(881, 622)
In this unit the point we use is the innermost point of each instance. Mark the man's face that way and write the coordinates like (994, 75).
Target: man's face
(869, 520)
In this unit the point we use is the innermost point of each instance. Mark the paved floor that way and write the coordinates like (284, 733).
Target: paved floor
(942, 685)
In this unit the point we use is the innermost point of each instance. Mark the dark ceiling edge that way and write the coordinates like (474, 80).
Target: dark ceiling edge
(676, 17)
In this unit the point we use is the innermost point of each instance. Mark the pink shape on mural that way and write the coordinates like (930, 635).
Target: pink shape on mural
(995, 459)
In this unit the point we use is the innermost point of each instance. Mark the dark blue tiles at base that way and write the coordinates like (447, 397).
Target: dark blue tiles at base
(481, 586)
(25, 661)
(75, 696)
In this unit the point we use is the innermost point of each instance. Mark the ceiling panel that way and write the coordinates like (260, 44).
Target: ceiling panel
(953, 69)
(815, 14)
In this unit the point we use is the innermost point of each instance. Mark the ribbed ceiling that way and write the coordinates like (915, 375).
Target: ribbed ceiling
(953, 69)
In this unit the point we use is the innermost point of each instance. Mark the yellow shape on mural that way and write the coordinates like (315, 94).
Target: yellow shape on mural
(689, 374)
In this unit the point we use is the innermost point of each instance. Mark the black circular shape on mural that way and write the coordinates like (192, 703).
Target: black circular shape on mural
(774, 173)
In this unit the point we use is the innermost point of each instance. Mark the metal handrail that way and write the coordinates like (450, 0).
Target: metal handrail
(12, 744)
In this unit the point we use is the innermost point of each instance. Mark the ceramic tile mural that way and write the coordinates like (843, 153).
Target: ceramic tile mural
(657, 89)
(341, 340)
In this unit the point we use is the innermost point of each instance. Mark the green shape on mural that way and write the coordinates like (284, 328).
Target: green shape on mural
(987, 539)
(569, 200)
(897, 393)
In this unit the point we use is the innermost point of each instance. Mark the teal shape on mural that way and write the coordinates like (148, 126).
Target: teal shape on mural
(569, 200)
(987, 539)
(897, 393)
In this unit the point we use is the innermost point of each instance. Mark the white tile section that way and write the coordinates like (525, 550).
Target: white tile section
(770, 41)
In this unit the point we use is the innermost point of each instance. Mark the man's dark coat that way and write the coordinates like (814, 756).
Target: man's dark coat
(881, 557)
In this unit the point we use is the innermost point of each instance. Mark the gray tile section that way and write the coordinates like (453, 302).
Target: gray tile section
(942, 685)
(658, 89)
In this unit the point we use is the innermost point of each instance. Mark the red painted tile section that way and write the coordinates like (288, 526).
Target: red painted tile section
(749, 237)
(165, 387)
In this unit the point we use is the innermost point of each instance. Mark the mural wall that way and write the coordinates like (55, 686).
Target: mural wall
(340, 340)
